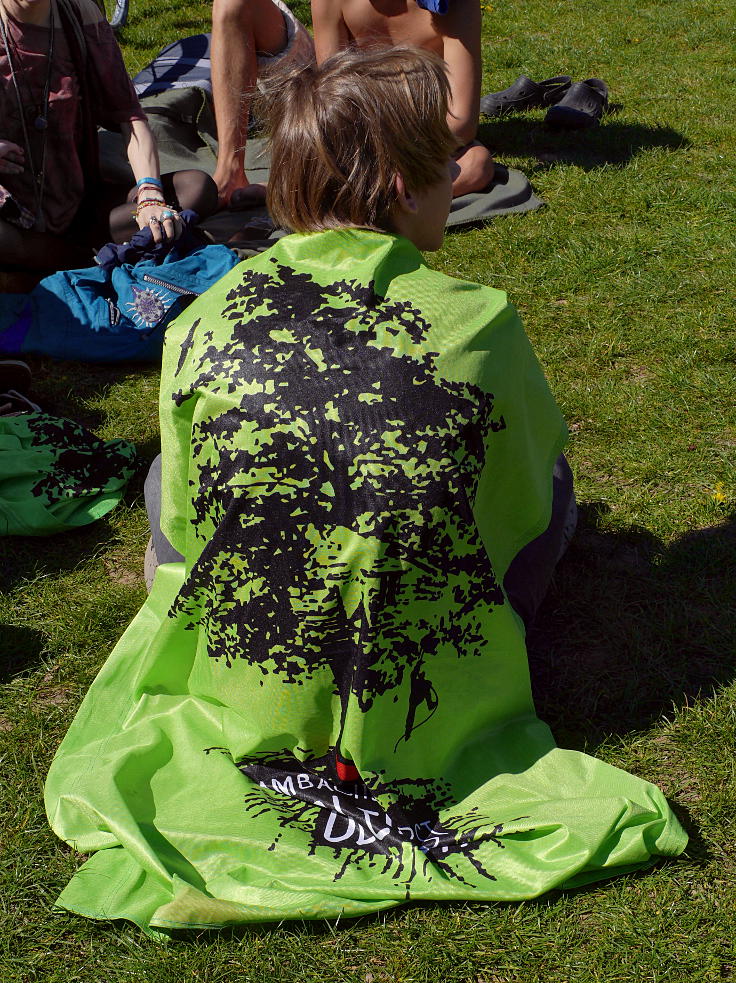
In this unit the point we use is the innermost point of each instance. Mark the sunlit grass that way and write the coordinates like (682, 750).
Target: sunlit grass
(626, 285)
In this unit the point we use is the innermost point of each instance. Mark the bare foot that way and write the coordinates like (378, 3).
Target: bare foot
(476, 170)
(234, 190)
(248, 197)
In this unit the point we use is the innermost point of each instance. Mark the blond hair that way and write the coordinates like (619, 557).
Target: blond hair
(339, 133)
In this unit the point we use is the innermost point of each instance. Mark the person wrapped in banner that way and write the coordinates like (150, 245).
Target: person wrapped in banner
(324, 707)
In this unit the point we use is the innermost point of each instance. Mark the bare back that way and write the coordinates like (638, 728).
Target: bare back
(392, 22)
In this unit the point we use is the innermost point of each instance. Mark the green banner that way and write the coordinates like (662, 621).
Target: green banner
(326, 709)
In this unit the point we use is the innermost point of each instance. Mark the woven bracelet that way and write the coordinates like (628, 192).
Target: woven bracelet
(148, 203)
(149, 193)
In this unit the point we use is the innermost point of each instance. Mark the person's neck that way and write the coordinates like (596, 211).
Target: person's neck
(36, 12)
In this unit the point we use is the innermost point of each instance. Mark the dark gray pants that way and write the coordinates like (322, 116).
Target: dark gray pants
(165, 552)
(526, 580)
(531, 570)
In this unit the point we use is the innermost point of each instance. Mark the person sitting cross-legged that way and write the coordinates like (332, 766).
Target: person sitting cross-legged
(62, 75)
(324, 707)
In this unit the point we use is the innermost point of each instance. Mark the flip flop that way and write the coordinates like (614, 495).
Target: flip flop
(525, 94)
(582, 106)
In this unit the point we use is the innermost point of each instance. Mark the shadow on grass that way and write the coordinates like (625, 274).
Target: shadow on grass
(32, 557)
(20, 646)
(632, 628)
(28, 558)
(68, 388)
(613, 142)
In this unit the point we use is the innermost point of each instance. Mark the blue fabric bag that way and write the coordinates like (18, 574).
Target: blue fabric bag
(114, 312)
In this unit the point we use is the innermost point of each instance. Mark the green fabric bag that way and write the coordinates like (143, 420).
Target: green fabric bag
(325, 709)
(55, 475)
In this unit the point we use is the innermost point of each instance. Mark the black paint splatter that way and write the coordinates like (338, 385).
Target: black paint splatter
(347, 819)
(82, 464)
(338, 424)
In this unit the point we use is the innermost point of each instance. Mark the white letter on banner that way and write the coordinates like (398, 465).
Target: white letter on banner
(330, 825)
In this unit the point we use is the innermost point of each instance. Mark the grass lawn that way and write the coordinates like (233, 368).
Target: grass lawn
(627, 286)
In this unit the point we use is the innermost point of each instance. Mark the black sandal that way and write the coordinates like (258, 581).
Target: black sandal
(525, 94)
(582, 106)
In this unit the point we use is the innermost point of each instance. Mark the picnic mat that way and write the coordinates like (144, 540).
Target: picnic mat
(183, 122)
(325, 709)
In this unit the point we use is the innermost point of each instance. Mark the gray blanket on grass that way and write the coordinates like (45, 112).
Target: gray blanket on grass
(184, 125)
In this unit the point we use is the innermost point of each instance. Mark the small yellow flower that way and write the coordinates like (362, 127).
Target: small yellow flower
(719, 495)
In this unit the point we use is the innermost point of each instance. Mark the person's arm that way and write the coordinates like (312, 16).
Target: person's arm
(116, 106)
(143, 158)
(462, 53)
(461, 37)
(234, 72)
(330, 31)
(241, 29)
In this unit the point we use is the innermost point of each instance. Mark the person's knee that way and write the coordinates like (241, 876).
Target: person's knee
(232, 14)
(196, 190)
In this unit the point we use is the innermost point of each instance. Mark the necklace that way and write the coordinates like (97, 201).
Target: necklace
(40, 122)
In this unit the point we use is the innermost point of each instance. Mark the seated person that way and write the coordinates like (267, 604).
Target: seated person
(453, 35)
(249, 38)
(324, 708)
(62, 75)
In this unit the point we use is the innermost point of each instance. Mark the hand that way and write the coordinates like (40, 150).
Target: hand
(165, 223)
(12, 158)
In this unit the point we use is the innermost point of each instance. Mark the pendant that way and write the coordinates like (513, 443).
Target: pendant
(40, 123)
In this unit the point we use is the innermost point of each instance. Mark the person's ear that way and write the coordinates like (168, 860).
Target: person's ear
(405, 200)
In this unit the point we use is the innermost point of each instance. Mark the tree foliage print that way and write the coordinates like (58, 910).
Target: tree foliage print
(333, 490)
(82, 464)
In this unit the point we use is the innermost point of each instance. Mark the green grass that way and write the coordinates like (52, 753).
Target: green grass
(626, 283)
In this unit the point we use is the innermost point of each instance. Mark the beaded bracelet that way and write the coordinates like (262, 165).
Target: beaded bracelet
(153, 181)
(147, 203)
(149, 193)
